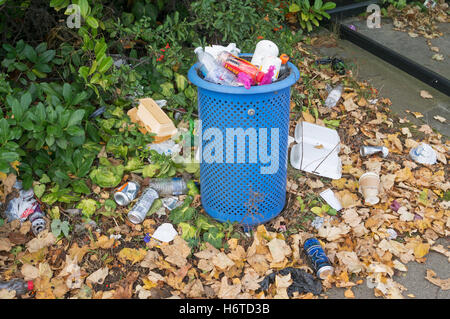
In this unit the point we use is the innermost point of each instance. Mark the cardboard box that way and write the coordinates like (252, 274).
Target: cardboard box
(153, 120)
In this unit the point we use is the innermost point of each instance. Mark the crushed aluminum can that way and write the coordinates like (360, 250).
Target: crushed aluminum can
(423, 154)
(126, 193)
(317, 222)
(170, 202)
(369, 150)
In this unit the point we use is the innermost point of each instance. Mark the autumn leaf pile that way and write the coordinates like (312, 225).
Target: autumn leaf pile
(115, 261)
(413, 20)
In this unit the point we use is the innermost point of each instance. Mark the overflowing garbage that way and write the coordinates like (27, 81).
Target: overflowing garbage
(26, 207)
(223, 65)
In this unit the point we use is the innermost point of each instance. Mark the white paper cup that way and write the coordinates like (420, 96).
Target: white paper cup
(369, 187)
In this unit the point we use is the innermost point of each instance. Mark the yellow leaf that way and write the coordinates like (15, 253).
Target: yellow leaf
(349, 293)
(14, 165)
(421, 250)
(131, 254)
(308, 117)
(148, 284)
(339, 183)
(317, 211)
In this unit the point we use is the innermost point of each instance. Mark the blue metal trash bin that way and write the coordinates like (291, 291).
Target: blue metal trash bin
(239, 184)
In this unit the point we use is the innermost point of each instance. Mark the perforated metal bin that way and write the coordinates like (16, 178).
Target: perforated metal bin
(247, 190)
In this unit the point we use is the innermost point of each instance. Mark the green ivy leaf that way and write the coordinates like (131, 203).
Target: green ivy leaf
(39, 190)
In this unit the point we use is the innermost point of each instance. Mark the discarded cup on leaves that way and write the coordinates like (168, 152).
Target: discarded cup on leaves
(126, 193)
(423, 154)
(318, 258)
(368, 186)
(140, 209)
(369, 150)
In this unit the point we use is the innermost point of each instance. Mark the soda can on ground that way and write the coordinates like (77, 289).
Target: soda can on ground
(126, 193)
(318, 258)
(140, 209)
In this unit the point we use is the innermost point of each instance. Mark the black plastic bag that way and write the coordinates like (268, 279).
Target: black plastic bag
(302, 282)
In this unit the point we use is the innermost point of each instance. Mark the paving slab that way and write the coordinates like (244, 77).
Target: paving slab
(404, 92)
(400, 87)
(414, 48)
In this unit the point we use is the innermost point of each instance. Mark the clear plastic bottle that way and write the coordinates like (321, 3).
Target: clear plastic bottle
(212, 71)
(20, 286)
(169, 186)
(334, 96)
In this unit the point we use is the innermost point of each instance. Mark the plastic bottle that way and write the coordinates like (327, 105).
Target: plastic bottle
(213, 71)
(20, 286)
(238, 65)
(169, 186)
(284, 60)
(264, 48)
(334, 96)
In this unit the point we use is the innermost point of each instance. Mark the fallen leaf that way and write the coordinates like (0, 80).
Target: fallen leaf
(44, 239)
(177, 252)
(438, 57)
(440, 118)
(222, 261)
(308, 117)
(421, 250)
(444, 284)
(98, 276)
(425, 94)
(132, 254)
(349, 293)
(278, 249)
(349, 105)
(29, 272)
(7, 294)
(5, 244)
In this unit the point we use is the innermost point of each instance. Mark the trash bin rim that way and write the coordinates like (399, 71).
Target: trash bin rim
(268, 88)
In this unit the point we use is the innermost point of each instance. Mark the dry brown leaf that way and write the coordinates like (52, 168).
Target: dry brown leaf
(349, 293)
(438, 57)
(440, 118)
(349, 105)
(222, 261)
(7, 294)
(227, 291)
(308, 117)
(43, 239)
(444, 284)
(29, 272)
(177, 252)
(425, 94)
(278, 249)
(98, 276)
(5, 244)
